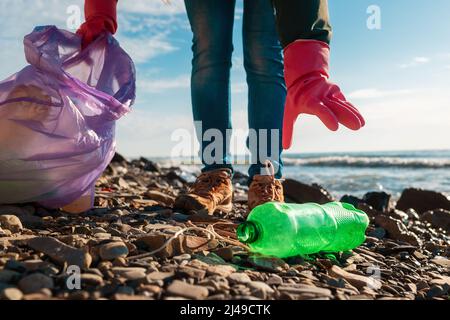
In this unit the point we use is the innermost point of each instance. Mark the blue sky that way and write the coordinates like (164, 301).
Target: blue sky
(398, 76)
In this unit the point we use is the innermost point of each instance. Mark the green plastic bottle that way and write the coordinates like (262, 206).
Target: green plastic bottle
(286, 230)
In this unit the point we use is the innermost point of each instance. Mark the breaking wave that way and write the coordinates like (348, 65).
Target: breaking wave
(370, 162)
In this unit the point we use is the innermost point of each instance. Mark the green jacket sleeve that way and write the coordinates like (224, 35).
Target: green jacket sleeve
(302, 19)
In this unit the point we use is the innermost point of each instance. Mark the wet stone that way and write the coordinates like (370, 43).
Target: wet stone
(182, 289)
(113, 250)
(239, 277)
(35, 282)
(11, 223)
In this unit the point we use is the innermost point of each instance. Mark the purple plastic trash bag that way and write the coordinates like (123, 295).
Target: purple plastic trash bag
(57, 117)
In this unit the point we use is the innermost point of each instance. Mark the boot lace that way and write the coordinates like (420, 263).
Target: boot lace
(209, 183)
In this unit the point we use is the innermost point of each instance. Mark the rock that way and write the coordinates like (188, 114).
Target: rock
(189, 272)
(113, 250)
(240, 178)
(302, 289)
(32, 222)
(238, 277)
(412, 287)
(422, 200)
(270, 264)
(129, 273)
(225, 253)
(102, 235)
(419, 255)
(436, 291)
(209, 258)
(35, 282)
(412, 214)
(125, 290)
(36, 296)
(127, 297)
(5, 233)
(355, 201)
(354, 279)
(158, 275)
(150, 165)
(118, 158)
(443, 281)
(371, 212)
(443, 262)
(422, 284)
(399, 215)
(31, 266)
(160, 197)
(404, 255)
(79, 295)
(90, 279)
(11, 294)
(298, 192)
(220, 270)
(121, 183)
(150, 289)
(274, 280)
(338, 283)
(180, 245)
(60, 252)
(73, 240)
(9, 276)
(180, 258)
(11, 222)
(438, 219)
(196, 263)
(175, 177)
(182, 289)
(260, 289)
(397, 230)
(378, 233)
(378, 200)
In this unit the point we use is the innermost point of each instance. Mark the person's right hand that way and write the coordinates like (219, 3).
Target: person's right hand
(101, 16)
(311, 92)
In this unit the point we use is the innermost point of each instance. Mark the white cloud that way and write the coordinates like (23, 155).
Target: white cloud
(153, 7)
(373, 93)
(151, 29)
(418, 120)
(18, 18)
(161, 85)
(417, 61)
(180, 82)
(142, 49)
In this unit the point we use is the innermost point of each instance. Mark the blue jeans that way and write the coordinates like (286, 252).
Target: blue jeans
(212, 26)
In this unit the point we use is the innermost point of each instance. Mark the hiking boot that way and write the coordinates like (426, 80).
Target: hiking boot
(265, 188)
(211, 192)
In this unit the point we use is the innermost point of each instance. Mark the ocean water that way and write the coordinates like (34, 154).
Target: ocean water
(360, 172)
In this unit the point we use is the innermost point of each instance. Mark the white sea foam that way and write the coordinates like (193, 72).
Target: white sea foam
(370, 162)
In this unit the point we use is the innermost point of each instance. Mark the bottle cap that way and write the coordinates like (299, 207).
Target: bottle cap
(247, 232)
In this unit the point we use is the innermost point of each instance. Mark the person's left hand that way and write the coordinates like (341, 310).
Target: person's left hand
(101, 16)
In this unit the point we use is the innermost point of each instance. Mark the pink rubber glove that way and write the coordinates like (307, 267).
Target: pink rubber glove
(101, 16)
(310, 92)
